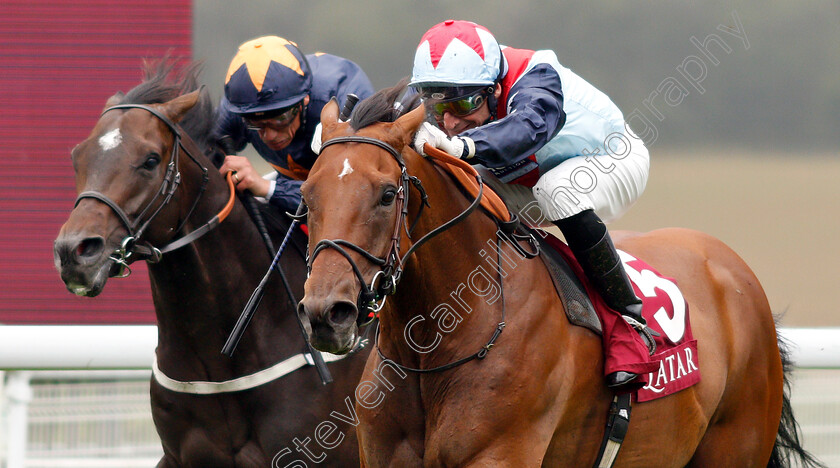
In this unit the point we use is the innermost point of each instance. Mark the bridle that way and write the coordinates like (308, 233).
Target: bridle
(131, 248)
(391, 264)
(372, 296)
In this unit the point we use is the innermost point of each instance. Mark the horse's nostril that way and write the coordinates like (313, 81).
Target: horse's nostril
(302, 313)
(90, 247)
(341, 313)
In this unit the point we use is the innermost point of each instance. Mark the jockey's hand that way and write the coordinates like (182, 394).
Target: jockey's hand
(316, 139)
(245, 177)
(460, 147)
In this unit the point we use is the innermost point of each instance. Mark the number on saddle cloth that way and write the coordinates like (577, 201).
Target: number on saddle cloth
(665, 309)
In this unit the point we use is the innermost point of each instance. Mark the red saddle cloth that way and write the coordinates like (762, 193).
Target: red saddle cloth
(674, 366)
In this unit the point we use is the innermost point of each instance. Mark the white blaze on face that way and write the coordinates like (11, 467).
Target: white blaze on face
(110, 140)
(346, 170)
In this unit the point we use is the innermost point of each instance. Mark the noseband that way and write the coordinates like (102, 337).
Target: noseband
(391, 265)
(372, 297)
(130, 248)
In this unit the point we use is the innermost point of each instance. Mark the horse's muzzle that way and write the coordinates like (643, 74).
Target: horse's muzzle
(82, 262)
(331, 326)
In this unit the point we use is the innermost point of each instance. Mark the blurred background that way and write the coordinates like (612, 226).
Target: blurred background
(774, 88)
(737, 100)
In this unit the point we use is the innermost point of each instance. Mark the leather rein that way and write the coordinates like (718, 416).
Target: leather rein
(372, 297)
(131, 248)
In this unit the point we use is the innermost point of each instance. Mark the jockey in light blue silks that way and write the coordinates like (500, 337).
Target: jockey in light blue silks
(533, 122)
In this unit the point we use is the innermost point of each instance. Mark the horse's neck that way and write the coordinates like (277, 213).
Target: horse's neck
(200, 289)
(451, 286)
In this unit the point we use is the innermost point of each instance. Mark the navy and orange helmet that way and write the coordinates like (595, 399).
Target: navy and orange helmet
(267, 74)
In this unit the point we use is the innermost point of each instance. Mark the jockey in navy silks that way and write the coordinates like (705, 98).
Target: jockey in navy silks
(273, 100)
(534, 122)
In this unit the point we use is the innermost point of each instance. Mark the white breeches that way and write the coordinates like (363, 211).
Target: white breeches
(607, 183)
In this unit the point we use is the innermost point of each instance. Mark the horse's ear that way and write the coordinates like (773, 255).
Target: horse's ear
(114, 100)
(178, 107)
(329, 114)
(404, 127)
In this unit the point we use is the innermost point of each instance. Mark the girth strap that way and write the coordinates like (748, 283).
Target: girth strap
(617, 423)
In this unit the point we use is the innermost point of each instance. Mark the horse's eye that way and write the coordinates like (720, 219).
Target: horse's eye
(151, 161)
(388, 196)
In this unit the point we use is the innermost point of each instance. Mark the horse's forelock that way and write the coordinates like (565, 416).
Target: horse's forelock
(380, 107)
(162, 83)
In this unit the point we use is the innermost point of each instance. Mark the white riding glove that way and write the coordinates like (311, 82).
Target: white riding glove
(460, 147)
(316, 139)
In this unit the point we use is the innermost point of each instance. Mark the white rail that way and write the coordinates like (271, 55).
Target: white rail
(59, 347)
(62, 347)
(28, 348)
(25, 348)
(814, 348)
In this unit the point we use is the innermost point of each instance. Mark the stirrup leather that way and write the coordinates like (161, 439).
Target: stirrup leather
(644, 331)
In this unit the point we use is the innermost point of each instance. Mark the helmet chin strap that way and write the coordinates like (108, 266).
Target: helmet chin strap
(491, 100)
(303, 112)
(492, 104)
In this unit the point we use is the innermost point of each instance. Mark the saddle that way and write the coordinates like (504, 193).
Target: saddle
(583, 310)
(664, 307)
(579, 307)
(497, 201)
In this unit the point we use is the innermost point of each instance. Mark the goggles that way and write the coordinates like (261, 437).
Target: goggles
(278, 123)
(461, 106)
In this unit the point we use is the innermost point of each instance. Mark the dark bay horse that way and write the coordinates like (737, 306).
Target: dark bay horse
(200, 289)
(537, 398)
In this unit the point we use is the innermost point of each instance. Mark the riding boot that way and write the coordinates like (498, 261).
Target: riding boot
(589, 240)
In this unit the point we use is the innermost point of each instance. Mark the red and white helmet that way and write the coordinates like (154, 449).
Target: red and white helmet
(456, 53)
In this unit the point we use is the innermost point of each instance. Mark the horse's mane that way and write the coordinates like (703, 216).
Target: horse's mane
(384, 106)
(161, 83)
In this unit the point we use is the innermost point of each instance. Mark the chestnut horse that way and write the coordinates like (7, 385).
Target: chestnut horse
(133, 160)
(538, 397)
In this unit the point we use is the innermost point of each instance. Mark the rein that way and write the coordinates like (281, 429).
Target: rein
(391, 265)
(130, 249)
(481, 353)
